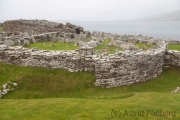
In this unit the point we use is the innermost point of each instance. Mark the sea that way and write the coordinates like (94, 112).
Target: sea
(156, 29)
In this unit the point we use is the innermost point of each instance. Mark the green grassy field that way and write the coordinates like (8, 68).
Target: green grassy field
(105, 48)
(45, 94)
(65, 46)
(102, 48)
(73, 96)
(93, 109)
(1, 28)
(142, 45)
(46, 83)
(173, 47)
(53, 46)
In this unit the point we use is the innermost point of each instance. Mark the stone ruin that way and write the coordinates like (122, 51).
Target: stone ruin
(24, 32)
(132, 65)
(6, 88)
(176, 90)
(35, 27)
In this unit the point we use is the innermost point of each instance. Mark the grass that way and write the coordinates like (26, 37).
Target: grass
(140, 45)
(53, 46)
(173, 47)
(88, 39)
(92, 109)
(1, 28)
(45, 94)
(41, 83)
(45, 83)
(73, 96)
(65, 46)
(105, 48)
(170, 46)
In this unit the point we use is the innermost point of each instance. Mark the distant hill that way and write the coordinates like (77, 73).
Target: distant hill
(172, 16)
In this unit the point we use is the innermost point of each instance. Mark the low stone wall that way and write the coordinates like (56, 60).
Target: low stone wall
(172, 58)
(72, 60)
(123, 68)
(125, 45)
(177, 42)
(119, 69)
(24, 39)
(128, 67)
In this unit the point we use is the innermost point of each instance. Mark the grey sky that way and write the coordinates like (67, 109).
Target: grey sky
(85, 10)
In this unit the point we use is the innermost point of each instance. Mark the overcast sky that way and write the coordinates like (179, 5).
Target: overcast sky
(84, 10)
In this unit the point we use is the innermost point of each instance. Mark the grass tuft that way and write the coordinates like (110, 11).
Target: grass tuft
(1, 28)
(173, 47)
(140, 45)
(53, 46)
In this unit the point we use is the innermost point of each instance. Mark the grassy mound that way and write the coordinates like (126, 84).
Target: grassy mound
(53, 46)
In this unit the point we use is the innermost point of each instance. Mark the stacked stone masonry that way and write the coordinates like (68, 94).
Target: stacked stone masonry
(111, 70)
(123, 68)
(24, 32)
(172, 58)
(38, 27)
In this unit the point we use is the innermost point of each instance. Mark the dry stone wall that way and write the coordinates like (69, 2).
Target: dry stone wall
(72, 60)
(172, 58)
(111, 70)
(25, 40)
(128, 67)
(24, 32)
(123, 68)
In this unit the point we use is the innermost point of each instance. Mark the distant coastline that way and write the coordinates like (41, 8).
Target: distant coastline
(171, 16)
(158, 29)
(163, 29)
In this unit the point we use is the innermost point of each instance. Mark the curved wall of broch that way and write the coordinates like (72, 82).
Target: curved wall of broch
(122, 68)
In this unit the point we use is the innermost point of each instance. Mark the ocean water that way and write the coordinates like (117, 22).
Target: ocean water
(156, 29)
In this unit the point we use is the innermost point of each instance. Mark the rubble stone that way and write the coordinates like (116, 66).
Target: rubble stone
(124, 68)
(111, 70)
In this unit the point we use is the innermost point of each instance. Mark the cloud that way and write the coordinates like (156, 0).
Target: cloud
(84, 9)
